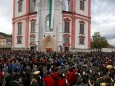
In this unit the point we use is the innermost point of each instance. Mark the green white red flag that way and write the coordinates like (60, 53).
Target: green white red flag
(51, 14)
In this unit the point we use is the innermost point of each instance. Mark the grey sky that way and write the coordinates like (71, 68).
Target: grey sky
(6, 16)
(103, 18)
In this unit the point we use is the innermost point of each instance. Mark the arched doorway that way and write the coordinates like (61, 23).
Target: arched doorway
(48, 44)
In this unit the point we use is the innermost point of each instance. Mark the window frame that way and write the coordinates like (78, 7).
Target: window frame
(33, 26)
(82, 40)
(32, 39)
(19, 40)
(67, 26)
(66, 39)
(20, 5)
(82, 5)
(81, 28)
(20, 29)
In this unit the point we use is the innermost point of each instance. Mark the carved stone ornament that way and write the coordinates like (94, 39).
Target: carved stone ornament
(20, 1)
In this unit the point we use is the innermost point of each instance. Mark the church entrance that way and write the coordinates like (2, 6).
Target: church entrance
(49, 44)
(48, 50)
(66, 48)
(33, 48)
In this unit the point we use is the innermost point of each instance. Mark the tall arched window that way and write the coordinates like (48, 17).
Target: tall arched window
(82, 26)
(67, 25)
(47, 24)
(20, 5)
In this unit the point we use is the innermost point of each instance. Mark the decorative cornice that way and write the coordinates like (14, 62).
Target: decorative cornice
(66, 35)
(32, 35)
(82, 0)
(32, 43)
(81, 36)
(30, 14)
(66, 19)
(81, 22)
(76, 14)
(19, 23)
(32, 20)
(19, 36)
(34, 0)
(20, 1)
(66, 44)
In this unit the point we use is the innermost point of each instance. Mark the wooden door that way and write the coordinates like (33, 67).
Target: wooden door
(48, 49)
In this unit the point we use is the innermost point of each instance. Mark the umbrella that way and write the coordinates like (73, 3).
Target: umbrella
(64, 74)
(36, 72)
(109, 66)
(98, 81)
(103, 84)
(106, 77)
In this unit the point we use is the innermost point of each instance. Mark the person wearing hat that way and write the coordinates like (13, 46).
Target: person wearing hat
(37, 79)
(34, 82)
(26, 78)
(48, 80)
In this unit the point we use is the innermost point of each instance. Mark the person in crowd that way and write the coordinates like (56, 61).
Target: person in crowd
(1, 77)
(62, 80)
(78, 67)
(8, 79)
(70, 77)
(55, 76)
(26, 78)
(49, 81)
(34, 82)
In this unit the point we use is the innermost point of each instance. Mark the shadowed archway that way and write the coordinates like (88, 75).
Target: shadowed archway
(49, 43)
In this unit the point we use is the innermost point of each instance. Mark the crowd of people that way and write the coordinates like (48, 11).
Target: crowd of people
(33, 68)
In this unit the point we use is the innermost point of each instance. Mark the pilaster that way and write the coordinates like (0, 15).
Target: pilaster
(27, 24)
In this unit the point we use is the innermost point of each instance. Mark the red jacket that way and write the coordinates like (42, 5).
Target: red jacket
(56, 76)
(49, 81)
(35, 60)
(70, 78)
(75, 75)
(62, 82)
(1, 75)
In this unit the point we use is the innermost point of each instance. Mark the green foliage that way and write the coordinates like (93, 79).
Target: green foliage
(6, 35)
(100, 42)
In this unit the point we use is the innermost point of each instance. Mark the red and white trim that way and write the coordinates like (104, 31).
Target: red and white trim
(27, 23)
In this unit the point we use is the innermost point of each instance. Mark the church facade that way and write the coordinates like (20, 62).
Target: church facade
(71, 25)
